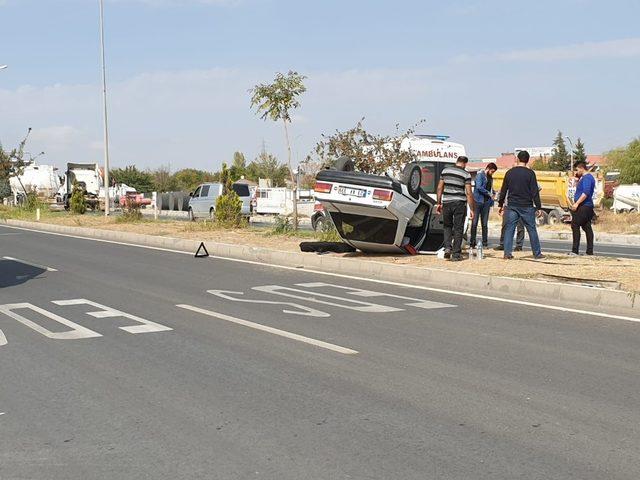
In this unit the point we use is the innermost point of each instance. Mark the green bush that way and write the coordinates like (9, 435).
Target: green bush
(31, 202)
(282, 225)
(77, 204)
(229, 210)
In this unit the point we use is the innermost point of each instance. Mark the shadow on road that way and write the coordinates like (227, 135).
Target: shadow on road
(16, 273)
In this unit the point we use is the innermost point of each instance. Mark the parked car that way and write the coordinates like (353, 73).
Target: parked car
(202, 203)
(320, 218)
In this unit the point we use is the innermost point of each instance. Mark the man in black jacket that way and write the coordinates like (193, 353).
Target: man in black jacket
(521, 186)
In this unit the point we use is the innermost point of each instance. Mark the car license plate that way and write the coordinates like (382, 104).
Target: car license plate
(352, 192)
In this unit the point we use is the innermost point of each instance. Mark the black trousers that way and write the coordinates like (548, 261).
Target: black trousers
(519, 232)
(581, 218)
(453, 216)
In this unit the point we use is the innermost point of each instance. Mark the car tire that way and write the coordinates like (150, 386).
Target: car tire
(554, 217)
(543, 219)
(345, 164)
(191, 215)
(319, 224)
(412, 178)
(212, 214)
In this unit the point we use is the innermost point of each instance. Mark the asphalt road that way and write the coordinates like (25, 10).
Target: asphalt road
(116, 362)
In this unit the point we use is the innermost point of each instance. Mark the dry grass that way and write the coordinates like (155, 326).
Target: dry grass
(608, 272)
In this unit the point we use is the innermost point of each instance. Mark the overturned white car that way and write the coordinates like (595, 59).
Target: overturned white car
(380, 213)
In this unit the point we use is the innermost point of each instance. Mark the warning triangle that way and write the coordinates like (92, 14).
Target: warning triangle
(205, 253)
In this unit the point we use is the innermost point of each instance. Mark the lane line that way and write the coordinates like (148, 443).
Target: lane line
(48, 269)
(353, 277)
(274, 331)
(5, 234)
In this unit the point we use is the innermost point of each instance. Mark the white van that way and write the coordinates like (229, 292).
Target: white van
(202, 203)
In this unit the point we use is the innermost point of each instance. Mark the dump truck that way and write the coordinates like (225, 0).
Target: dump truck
(556, 193)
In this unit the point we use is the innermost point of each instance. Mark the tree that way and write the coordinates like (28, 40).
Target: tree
(579, 154)
(560, 159)
(238, 167)
(275, 101)
(266, 166)
(627, 161)
(188, 179)
(371, 153)
(12, 164)
(131, 176)
(163, 181)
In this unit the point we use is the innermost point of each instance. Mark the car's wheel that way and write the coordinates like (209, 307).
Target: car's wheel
(345, 164)
(542, 219)
(412, 178)
(555, 217)
(319, 224)
(191, 215)
(212, 214)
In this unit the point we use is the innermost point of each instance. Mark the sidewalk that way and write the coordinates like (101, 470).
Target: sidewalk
(600, 237)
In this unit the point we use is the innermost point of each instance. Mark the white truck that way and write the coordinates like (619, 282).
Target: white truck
(82, 175)
(40, 179)
(390, 213)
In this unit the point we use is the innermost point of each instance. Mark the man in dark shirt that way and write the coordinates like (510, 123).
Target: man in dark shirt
(454, 191)
(521, 186)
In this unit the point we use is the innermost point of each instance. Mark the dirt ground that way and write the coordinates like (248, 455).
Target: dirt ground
(598, 271)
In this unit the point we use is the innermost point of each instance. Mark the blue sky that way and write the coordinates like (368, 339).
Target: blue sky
(493, 74)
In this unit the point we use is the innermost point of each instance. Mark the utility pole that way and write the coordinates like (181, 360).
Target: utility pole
(106, 122)
(571, 153)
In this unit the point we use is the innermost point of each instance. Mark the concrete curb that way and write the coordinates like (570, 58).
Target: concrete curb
(590, 297)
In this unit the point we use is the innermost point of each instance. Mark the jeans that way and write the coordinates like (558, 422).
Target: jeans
(453, 216)
(482, 215)
(519, 232)
(528, 217)
(581, 218)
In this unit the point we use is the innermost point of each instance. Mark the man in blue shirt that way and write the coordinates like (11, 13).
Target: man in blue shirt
(483, 195)
(582, 208)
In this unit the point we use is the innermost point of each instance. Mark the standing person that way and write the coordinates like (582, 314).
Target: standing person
(519, 235)
(483, 196)
(521, 186)
(454, 191)
(582, 208)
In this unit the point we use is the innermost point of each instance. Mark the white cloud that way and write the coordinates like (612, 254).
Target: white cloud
(624, 48)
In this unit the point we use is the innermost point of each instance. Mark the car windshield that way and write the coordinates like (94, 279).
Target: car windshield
(428, 184)
(365, 229)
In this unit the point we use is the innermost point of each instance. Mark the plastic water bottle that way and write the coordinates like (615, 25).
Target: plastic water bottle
(472, 253)
(480, 254)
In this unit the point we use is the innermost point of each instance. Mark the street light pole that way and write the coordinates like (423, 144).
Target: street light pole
(106, 122)
(571, 154)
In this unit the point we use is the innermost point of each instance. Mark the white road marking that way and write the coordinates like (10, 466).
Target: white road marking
(107, 312)
(274, 331)
(3, 339)
(413, 302)
(1, 413)
(77, 332)
(353, 277)
(313, 297)
(308, 311)
(5, 234)
(48, 269)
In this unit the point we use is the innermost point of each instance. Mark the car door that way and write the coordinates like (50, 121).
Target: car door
(193, 202)
(203, 201)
